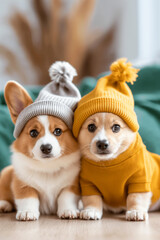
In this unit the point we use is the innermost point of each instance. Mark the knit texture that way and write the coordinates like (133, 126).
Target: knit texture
(58, 98)
(140, 170)
(111, 94)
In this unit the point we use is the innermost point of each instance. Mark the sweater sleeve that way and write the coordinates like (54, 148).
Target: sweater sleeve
(140, 181)
(87, 176)
(88, 188)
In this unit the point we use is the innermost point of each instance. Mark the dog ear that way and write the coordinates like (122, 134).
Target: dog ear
(16, 98)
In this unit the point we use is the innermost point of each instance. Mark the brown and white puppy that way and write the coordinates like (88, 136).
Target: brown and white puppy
(102, 137)
(43, 177)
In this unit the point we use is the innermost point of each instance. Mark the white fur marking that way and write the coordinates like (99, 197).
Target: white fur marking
(136, 215)
(68, 205)
(27, 209)
(48, 138)
(101, 135)
(91, 213)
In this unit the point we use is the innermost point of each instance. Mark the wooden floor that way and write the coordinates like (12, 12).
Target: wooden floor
(50, 227)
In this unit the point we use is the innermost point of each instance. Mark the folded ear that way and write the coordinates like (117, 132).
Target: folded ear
(16, 98)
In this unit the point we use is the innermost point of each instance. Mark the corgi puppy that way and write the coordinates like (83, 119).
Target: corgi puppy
(43, 177)
(117, 171)
(103, 138)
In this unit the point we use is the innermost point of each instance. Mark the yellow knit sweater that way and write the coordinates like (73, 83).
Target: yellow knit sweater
(136, 170)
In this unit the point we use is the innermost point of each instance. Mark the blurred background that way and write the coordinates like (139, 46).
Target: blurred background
(90, 34)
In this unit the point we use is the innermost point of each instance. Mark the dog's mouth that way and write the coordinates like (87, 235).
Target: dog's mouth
(106, 152)
(47, 156)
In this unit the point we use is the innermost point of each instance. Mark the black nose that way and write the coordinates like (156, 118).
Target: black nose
(102, 145)
(46, 148)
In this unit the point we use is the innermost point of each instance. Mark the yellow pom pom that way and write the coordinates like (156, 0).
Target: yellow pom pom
(122, 71)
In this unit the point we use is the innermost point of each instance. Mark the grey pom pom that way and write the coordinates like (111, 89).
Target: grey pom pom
(61, 72)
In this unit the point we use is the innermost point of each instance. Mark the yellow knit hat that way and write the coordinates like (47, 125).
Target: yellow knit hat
(111, 94)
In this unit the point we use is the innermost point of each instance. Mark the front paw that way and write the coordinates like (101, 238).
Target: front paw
(136, 215)
(68, 213)
(5, 206)
(91, 213)
(27, 215)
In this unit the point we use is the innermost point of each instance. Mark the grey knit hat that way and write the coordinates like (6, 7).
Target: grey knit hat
(58, 98)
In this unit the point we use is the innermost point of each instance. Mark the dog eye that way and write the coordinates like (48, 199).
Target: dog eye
(57, 132)
(92, 127)
(34, 133)
(116, 128)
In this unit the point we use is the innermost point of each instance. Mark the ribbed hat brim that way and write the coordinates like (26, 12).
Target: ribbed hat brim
(111, 105)
(52, 108)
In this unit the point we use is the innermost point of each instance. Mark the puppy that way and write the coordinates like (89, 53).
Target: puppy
(43, 177)
(103, 137)
(117, 171)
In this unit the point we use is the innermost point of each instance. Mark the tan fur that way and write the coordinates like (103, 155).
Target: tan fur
(93, 207)
(5, 184)
(18, 100)
(75, 188)
(21, 190)
(93, 201)
(11, 187)
(20, 143)
(66, 137)
(105, 120)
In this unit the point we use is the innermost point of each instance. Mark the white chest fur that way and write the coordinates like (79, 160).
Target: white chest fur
(47, 178)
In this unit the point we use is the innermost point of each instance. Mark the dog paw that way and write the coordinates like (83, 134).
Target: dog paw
(90, 213)
(68, 213)
(5, 206)
(27, 215)
(136, 215)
